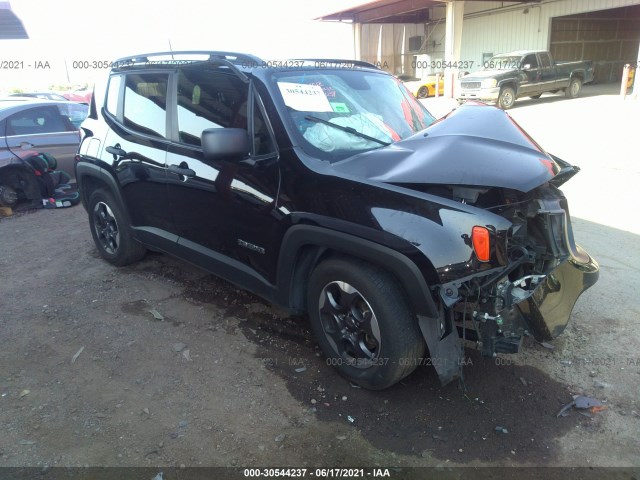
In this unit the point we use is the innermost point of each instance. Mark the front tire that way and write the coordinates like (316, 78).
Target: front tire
(507, 98)
(110, 230)
(423, 92)
(363, 323)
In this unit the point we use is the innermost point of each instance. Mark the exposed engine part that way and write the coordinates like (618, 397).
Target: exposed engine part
(449, 294)
(522, 282)
(483, 317)
(467, 194)
(502, 301)
(492, 339)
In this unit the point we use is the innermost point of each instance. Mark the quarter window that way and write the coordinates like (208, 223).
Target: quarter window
(145, 103)
(112, 94)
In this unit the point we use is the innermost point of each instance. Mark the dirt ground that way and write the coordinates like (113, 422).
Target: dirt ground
(160, 364)
(90, 377)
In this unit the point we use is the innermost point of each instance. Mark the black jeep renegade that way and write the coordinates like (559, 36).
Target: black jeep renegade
(326, 187)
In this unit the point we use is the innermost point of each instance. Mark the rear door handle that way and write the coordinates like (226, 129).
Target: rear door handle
(116, 151)
(182, 169)
(26, 145)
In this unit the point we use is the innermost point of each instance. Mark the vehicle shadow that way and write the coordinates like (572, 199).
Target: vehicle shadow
(608, 89)
(499, 411)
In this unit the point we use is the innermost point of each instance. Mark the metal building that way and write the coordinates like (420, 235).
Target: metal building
(414, 38)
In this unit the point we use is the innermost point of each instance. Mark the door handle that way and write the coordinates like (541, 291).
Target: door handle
(26, 145)
(116, 151)
(182, 169)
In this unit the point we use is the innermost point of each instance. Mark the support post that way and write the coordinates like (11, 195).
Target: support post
(453, 44)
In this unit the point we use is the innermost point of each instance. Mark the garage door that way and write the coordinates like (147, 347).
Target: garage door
(608, 37)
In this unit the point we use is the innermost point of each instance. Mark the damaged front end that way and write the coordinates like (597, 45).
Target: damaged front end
(541, 274)
(493, 224)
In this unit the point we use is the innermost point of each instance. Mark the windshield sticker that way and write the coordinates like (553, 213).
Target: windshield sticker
(339, 107)
(304, 98)
(328, 90)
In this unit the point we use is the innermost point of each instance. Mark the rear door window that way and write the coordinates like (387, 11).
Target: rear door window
(545, 61)
(38, 120)
(145, 103)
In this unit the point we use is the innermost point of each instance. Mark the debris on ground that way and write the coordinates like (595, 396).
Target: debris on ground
(156, 314)
(301, 369)
(280, 438)
(350, 419)
(24, 393)
(501, 429)
(186, 354)
(523, 381)
(593, 405)
(75, 357)
(547, 345)
(178, 347)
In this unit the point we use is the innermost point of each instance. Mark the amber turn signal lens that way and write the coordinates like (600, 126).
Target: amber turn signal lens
(481, 243)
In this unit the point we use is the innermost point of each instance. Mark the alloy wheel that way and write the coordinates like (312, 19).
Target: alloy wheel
(106, 228)
(349, 324)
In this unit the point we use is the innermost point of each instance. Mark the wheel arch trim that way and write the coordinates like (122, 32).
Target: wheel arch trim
(407, 272)
(86, 171)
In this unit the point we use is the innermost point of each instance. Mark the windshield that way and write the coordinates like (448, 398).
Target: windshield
(342, 112)
(503, 63)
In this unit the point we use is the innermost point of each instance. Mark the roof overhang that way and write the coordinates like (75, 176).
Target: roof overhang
(393, 11)
(11, 27)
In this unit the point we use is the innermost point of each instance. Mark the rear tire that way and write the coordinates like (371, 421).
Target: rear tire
(363, 323)
(110, 230)
(574, 88)
(423, 92)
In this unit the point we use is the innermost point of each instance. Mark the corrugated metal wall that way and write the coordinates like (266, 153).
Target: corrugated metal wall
(495, 31)
(489, 28)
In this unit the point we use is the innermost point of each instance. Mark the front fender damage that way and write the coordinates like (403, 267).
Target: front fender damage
(533, 294)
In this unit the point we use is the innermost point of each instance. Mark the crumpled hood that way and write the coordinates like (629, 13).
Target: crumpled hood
(474, 145)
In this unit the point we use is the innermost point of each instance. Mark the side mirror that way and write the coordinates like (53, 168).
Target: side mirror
(225, 143)
(526, 66)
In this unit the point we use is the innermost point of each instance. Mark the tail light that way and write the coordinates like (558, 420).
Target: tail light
(481, 243)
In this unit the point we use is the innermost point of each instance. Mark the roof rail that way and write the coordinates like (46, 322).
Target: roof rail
(232, 57)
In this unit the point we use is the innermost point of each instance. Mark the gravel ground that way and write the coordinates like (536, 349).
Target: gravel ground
(162, 365)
